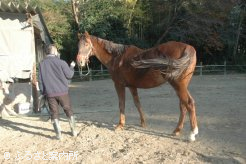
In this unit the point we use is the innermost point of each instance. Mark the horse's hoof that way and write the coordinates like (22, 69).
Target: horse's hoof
(193, 134)
(119, 128)
(176, 133)
(143, 125)
(192, 138)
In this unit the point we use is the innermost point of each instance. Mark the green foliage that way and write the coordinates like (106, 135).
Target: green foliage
(195, 22)
(217, 29)
(103, 19)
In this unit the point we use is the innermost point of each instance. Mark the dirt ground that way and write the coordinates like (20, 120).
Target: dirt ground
(221, 112)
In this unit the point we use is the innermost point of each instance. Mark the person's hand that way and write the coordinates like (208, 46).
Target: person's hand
(72, 64)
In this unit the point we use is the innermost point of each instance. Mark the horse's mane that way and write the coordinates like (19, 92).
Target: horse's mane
(113, 48)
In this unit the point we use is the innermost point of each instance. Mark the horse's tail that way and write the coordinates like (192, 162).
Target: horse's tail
(171, 68)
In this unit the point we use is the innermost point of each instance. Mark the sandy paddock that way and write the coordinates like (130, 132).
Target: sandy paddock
(221, 111)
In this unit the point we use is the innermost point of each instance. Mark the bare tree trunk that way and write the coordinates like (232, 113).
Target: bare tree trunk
(130, 18)
(34, 89)
(75, 11)
(163, 35)
(172, 20)
(235, 48)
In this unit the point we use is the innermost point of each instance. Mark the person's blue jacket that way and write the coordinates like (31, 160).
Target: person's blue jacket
(54, 74)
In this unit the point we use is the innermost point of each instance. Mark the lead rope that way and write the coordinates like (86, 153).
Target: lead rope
(81, 71)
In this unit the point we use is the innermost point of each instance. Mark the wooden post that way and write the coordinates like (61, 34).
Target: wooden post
(90, 75)
(224, 67)
(102, 76)
(34, 89)
(200, 68)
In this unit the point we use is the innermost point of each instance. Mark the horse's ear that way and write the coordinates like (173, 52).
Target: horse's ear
(79, 35)
(86, 34)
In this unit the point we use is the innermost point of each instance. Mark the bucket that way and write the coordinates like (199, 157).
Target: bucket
(23, 108)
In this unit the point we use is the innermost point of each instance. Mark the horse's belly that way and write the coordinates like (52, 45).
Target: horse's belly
(150, 79)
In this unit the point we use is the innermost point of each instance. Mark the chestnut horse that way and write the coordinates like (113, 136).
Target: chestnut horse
(132, 67)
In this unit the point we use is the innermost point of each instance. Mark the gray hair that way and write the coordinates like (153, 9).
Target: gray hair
(51, 49)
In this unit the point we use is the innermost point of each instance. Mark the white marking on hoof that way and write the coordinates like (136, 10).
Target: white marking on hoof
(193, 134)
(195, 131)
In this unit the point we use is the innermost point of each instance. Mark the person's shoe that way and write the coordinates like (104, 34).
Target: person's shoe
(72, 125)
(57, 128)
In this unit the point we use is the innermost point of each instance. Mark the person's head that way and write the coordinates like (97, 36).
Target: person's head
(51, 49)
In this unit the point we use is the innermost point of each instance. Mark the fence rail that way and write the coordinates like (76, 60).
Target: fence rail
(199, 70)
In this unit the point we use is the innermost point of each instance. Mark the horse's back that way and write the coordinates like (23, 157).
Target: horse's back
(152, 77)
(175, 50)
(183, 54)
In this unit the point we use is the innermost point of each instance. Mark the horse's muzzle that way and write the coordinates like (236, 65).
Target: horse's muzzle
(82, 60)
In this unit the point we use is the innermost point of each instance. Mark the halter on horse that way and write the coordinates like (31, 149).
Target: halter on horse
(132, 67)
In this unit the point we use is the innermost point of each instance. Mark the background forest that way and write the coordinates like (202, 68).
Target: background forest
(216, 28)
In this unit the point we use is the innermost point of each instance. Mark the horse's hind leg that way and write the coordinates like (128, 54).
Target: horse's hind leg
(187, 103)
(135, 96)
(180, 125)
(193, 121)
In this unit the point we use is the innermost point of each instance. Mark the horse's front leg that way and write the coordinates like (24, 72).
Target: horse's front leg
(137, 103)
(120, 89)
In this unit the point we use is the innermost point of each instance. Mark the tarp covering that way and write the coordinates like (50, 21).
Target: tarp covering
(17, 45)
(23, 36)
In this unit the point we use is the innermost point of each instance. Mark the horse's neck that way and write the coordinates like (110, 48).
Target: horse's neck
(103, 56)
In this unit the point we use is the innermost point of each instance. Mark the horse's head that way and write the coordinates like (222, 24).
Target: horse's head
(84, 49)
